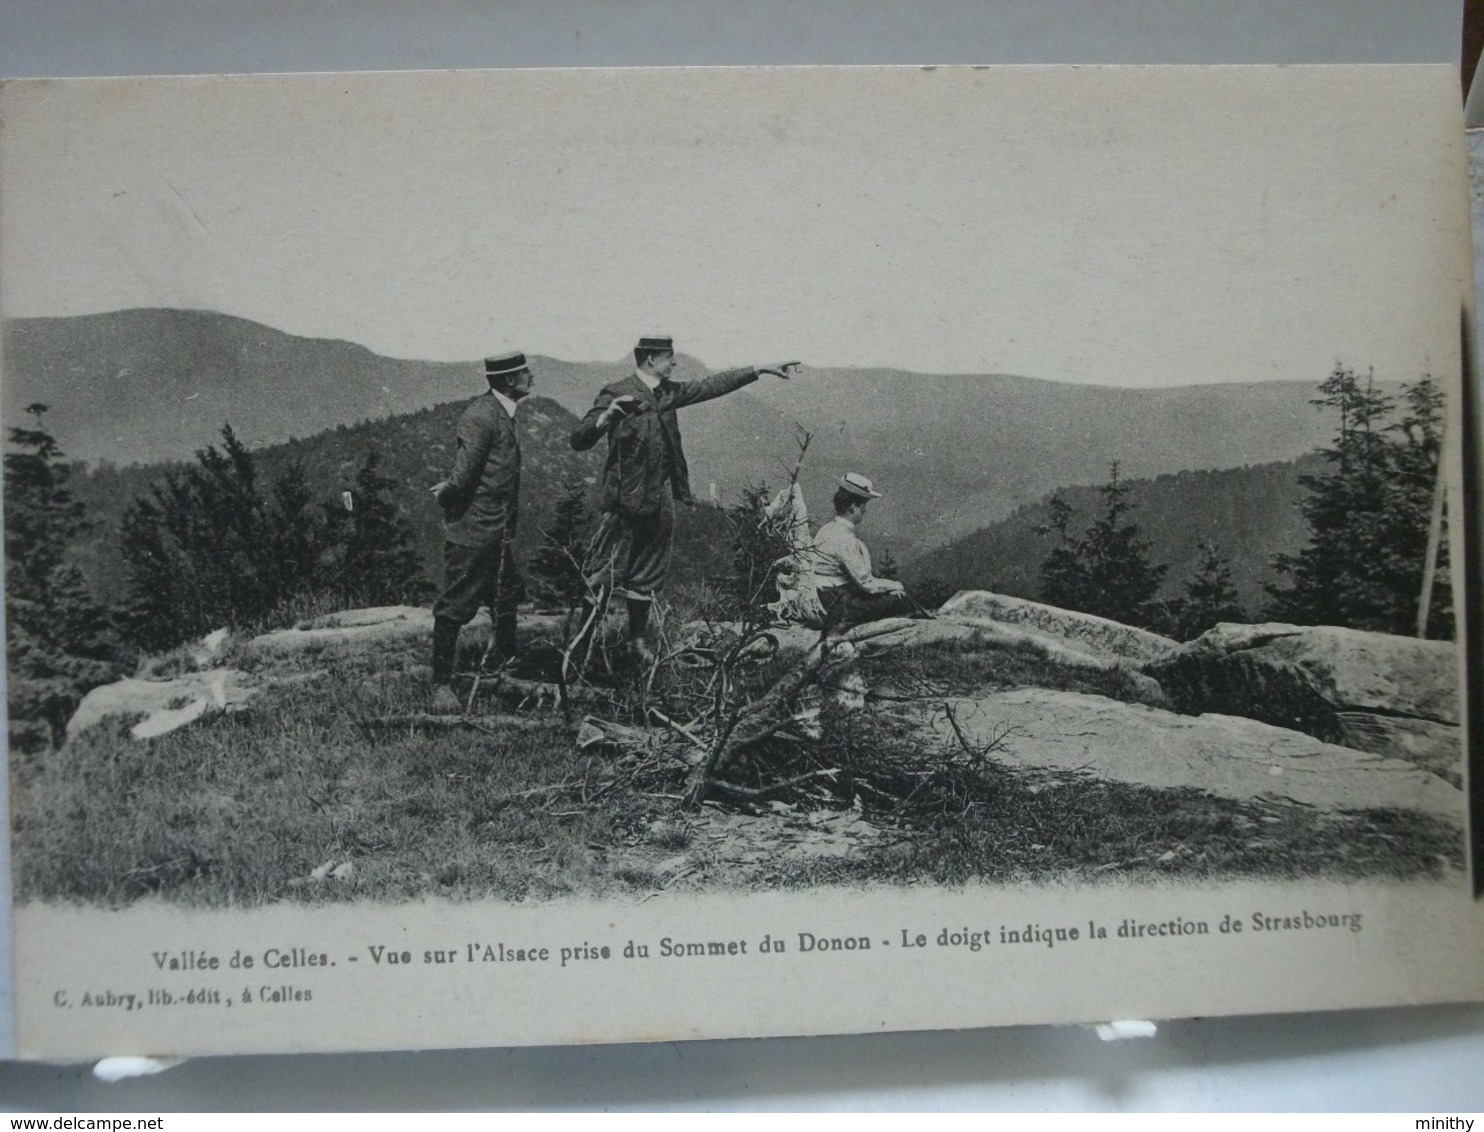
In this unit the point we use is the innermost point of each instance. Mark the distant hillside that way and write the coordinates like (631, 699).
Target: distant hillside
(955, 454)
(1250, 514)
(415, 450)
(143, 386)
(952, 453)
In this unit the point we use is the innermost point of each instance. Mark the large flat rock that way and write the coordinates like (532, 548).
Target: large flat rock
(1390, 695)
(1226, 755)
(1083, 631)
(379, 624)
(978, 633)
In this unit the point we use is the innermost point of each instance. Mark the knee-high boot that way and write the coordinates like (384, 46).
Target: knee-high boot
(504, 630)
(445, 650)
(638, 617)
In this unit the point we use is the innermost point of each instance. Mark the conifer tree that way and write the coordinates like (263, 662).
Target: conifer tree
(198, 550)
(1064, 580)
(59, 641)
(298, 536)
(760, 545)
(1368, 514)
(375, 561)
(1210, 596)
(556, 567)
(1417, 442)
(204, 549)
(1106, 571)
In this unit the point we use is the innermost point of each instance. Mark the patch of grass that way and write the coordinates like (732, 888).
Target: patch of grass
(303, 797)
(245, 809)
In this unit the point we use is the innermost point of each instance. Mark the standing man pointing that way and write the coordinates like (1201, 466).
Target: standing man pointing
(645, 470)
(480, 501)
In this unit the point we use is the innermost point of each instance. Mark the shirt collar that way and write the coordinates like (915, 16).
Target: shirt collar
(847, 522)
(650, 381)
(505, 403)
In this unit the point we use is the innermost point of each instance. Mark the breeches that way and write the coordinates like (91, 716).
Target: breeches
(479, 575)
(631, 552)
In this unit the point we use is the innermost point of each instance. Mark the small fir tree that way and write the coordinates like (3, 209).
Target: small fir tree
(1210, 596)
(1064, 575)
(197, 549)
(59, 641)
(1106, 571)
(761, 546)
(375, 561)
(556, 567)
(299, 539)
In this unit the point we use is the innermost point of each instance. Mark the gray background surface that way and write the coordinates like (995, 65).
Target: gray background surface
(1424, 1060)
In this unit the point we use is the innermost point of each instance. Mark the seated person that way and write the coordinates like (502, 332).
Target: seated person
(847, 592)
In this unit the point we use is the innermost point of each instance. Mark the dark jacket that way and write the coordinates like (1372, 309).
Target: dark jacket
(644, 451)
(482, 500)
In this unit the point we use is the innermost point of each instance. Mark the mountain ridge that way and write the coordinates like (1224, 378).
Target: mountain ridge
(952, 453)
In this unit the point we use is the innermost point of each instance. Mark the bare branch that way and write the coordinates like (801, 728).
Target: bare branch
(775, 788)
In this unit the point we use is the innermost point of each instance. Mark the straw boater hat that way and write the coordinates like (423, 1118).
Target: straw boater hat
(506, 365)
(858, 485)
(657, 343)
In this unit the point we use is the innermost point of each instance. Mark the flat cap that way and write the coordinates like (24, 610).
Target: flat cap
(509, 363)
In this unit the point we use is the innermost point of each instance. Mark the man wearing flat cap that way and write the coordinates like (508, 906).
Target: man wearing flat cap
(847, 592)
(480, 501)
(645, 471)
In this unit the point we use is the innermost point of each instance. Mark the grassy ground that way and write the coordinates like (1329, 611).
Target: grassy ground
(304, 797)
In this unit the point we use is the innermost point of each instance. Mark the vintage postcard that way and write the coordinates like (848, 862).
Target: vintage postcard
(531, 557)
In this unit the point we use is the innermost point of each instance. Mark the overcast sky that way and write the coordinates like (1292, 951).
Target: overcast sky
(1130, 227)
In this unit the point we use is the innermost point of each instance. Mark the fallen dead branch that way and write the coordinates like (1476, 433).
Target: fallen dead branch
(491, 724)
(755, 792)
(534, 792)
(514, 687)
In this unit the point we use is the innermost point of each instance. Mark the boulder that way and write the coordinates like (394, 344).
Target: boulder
(1223, 754)
(165, 704)
(1375, 692)
(789, 643)
(1083, 631)
(390, 625)
(384, 623)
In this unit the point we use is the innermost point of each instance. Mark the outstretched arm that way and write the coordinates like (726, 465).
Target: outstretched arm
(682, 393)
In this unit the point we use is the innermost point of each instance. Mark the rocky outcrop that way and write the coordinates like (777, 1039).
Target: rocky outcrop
(790, 643)
(1225, 755)
(1390, 695)
(1096, 635)
(388, 625)
(380, 624)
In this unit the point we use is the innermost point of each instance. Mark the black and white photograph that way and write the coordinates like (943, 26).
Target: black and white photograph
(711, 541)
